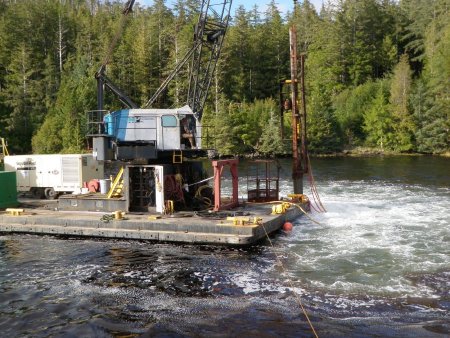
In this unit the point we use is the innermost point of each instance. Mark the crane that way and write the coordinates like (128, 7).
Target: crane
(152, 133)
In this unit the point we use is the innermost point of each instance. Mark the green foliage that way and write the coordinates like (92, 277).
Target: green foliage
(402, 120)
(432, 96)
(350, 106)
(270, 143)
(322, 132)
(50, 50)
(378, 121)
(65, 128)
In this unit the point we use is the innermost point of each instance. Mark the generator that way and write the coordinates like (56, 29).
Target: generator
(51, 175)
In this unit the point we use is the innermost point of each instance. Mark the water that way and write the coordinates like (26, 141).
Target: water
(377, 265)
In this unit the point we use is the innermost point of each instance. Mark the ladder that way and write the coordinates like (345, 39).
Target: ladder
(117, 185)
(3, 148)
(177, 156)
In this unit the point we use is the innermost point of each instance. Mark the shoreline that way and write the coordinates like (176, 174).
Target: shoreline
(354, 152)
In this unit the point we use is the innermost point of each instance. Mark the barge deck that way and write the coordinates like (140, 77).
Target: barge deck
(241, 226)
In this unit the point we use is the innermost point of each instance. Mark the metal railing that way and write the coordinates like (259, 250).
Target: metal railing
(95, 123)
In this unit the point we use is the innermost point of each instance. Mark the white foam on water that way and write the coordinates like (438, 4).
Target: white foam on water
(373, 236)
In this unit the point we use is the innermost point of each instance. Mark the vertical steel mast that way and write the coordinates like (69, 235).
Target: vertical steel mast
(299, 156)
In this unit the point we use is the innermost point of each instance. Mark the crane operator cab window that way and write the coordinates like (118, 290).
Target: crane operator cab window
(187, 130)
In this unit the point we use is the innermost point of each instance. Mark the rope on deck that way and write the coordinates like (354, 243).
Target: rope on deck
(290, 203)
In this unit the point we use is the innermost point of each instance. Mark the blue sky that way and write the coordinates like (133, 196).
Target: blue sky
(283, 5)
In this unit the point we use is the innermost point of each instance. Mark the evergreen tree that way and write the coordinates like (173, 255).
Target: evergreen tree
(322, 135)
(271, 54)
(403, 123)
(270, 143)
(48, 62)
(65, 129)
(239, 71)
(434, 115)
(18, 96)
(323, 70)
(378, 121)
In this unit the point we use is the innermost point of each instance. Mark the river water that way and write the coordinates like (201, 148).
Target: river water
(377, 264)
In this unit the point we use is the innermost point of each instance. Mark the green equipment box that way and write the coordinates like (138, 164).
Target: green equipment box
(8, 190)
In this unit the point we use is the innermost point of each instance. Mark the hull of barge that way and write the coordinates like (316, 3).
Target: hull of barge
(256, 221)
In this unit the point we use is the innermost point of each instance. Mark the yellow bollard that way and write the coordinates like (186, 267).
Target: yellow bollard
(168, 207)
(118, 214)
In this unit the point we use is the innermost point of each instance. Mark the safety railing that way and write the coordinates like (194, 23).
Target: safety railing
(95, 122)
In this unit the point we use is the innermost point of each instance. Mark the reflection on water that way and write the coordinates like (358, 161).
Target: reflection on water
(377, 265)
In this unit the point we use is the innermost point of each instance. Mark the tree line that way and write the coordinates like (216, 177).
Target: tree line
(377, 72)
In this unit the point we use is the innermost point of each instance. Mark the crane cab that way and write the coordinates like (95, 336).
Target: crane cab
(128, 134)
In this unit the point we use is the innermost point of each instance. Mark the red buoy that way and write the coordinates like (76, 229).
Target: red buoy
(94, 185)
(287, 226)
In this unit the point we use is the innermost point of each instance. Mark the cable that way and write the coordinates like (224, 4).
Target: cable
(206, 179)
(306, 214)
(313, 187)
(290, 284)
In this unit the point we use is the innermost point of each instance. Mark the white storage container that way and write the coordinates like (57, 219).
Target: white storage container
(50, 175)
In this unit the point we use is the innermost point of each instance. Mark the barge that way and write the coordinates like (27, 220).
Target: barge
(150, 202)
(242, 226)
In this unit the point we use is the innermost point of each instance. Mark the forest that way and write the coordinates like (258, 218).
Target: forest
(377, 72)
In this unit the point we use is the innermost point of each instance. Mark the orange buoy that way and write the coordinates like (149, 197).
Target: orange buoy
(287, 226)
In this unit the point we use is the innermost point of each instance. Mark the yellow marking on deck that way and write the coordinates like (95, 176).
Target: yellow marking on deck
(14, 212)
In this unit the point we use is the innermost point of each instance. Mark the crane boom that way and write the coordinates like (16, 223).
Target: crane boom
(204, 54)
(210, 31)
(102, 79)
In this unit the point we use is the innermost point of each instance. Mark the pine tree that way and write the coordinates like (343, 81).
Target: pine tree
(236, 51)
(17, 95)
(434, 119)
(403, 123)
(378, 121)
(270, 45)
(270, 143)
(323, 70)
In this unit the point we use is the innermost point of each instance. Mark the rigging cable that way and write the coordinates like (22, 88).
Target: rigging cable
(299, 301)
(315, 194)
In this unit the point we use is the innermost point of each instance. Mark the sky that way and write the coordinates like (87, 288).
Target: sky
(283, 5)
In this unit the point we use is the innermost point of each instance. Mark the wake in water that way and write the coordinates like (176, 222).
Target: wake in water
(379, 243)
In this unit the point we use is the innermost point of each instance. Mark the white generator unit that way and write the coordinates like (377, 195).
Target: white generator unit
(50, 175)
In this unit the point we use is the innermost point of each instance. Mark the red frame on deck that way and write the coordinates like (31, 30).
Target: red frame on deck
(218, 170)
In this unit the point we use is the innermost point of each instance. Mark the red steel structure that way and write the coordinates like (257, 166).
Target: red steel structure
(219, 166)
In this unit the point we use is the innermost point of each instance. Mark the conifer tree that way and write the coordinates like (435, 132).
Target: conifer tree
(434, 116)
(270, 143)
(403, 123)
(378, 121)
